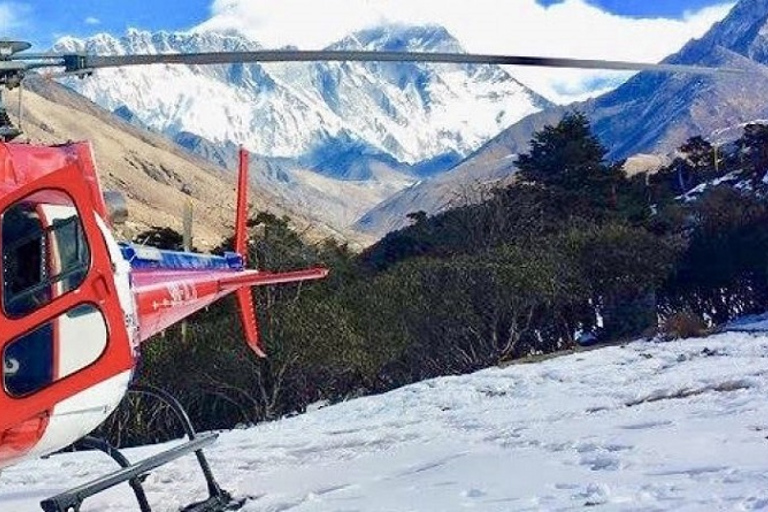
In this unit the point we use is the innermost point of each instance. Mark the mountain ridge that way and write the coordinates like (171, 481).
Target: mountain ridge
(651, 113)
(400, 99)
(356, 123)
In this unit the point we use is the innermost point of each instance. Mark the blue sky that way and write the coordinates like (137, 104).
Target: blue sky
(45, 20)
(666, 8)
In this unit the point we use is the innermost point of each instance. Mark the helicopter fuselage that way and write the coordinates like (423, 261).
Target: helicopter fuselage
(76, 305)
(66, 305)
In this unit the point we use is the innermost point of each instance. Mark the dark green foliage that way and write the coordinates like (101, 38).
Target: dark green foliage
(696, 165)
(623, 266)
(723, 272)
(568, 160)
(566, 156)
(574, 246)
(754, 145)
(162, 238)
(470, 312)
(700, 155)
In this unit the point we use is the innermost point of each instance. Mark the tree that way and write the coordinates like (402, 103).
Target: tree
(623, 267)
(569, 160)
(723, 272)
(417, 217)
(754, 142)
(700, 153)
(162, 238)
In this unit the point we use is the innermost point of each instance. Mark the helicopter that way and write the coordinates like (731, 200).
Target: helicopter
(76, 305)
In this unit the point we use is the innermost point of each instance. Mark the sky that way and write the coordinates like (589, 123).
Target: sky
(651, 425)
(641, 30)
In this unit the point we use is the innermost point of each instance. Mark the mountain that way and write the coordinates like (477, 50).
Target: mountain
(289, 110)
(156, 176)
(380, 126)
(650, 113)
(642, 426)
(369, 180)
(656, 112)
(467, 182)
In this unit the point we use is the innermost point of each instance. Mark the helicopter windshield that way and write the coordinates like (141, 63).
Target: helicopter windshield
(45, 254)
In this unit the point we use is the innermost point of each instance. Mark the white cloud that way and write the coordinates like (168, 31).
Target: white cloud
(91, 20)
(12, 16)
(571, 28)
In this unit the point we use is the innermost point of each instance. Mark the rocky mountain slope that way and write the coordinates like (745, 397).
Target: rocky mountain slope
(157, 176)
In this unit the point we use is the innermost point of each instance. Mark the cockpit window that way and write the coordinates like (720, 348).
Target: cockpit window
(55, 350)
(45, 254)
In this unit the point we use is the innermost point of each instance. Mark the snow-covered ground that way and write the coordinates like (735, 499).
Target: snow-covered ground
(680, 425)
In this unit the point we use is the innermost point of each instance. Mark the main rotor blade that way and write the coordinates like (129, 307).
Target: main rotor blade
(84, 62)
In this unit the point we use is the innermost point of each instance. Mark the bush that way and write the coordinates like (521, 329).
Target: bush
(683, 324)
(723, 272)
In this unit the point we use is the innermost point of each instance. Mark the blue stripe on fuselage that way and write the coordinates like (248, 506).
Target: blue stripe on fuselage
(144, 257)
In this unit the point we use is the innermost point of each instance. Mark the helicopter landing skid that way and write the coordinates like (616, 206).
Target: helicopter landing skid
(218, 500)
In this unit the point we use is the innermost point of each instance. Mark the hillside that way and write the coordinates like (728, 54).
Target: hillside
(645, 426)
(157, 176)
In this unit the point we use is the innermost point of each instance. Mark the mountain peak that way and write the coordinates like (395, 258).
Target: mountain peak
(285, 110)
(143, 41)
(402, 37)
(744, 30)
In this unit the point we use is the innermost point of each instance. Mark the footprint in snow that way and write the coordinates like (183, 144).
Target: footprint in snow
(600, 461)
(646, 425)
(473, 493)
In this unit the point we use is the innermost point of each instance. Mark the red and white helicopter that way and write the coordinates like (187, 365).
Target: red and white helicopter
(76, 305)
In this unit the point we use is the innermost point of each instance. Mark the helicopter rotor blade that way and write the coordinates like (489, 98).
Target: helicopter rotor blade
(78, 62)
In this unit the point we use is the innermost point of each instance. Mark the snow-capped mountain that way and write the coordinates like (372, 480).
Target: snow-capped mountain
(656, 112)
(334, 139)
(411, 112)
(650, 113)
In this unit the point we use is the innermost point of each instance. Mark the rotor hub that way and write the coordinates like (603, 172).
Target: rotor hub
(11, 75)
(9, 48)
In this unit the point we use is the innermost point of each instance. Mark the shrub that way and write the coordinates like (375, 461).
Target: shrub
(683, 324)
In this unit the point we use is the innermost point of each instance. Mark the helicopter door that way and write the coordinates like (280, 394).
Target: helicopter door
(62, 330)
(45, 256)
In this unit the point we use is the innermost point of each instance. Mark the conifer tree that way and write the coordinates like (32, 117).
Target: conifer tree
(569, 160)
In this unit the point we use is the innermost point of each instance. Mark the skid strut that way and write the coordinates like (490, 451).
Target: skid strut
(218, 499)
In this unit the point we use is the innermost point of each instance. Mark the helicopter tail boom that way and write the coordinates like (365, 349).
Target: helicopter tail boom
(171, 285)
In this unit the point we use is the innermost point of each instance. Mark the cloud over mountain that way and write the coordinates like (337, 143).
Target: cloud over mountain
(571, 28)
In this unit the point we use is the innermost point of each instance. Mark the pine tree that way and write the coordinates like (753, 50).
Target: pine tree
(569, 160)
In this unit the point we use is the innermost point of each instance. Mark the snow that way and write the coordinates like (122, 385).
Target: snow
(678, 425)
(751, 323)
(412, 112)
